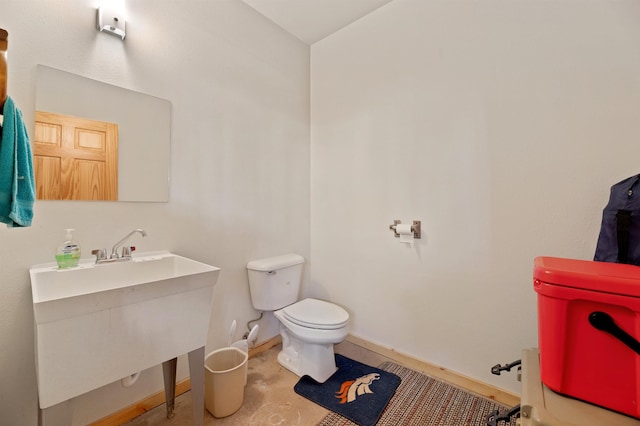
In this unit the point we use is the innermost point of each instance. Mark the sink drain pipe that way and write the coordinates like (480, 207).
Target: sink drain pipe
(130, 380)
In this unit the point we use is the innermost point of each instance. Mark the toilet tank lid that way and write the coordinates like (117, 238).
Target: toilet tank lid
(276, 262)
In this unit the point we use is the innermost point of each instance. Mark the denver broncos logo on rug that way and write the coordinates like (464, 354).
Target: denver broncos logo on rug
(352, 388)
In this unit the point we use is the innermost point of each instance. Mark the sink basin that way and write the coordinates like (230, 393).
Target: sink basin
(63, 293)
(96, 324)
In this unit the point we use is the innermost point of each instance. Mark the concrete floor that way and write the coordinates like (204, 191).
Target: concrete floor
(269, 398)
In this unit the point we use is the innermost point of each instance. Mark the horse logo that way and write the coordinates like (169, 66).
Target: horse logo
(354, 388)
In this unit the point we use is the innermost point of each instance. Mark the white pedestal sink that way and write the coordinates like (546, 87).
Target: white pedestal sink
(96, 324)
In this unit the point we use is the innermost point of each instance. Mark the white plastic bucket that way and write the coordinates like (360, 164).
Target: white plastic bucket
(224, 381)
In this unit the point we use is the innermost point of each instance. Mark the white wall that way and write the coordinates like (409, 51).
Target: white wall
(501, 126)
(239, 88)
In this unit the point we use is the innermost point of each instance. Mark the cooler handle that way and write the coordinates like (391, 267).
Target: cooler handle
(604, 322)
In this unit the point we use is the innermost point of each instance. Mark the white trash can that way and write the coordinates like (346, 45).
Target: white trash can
(224, 381)
(244, 347)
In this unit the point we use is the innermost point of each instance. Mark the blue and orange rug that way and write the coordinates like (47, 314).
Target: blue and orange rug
(355, 391)
(426, 401)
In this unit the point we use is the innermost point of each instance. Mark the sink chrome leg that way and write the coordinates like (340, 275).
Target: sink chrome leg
(196, 374)
(169, 374)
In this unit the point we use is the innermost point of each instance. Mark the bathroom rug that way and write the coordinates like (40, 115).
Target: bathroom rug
(426, 401)
(355, 391)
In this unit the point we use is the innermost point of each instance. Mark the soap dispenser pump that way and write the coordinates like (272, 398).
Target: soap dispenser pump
(68, 254)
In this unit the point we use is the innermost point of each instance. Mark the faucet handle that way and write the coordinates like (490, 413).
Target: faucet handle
(127, 250)
(100, 254)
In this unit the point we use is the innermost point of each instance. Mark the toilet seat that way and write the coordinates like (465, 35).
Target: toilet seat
(314, 313)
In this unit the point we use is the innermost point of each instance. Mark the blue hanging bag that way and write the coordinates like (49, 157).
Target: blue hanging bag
(619, 239)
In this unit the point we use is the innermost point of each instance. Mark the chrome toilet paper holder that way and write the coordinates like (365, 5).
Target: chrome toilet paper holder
(415, 228)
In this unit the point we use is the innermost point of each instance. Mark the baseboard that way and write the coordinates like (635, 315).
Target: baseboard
(470, 384)
(140, 407)
(265, 346)
(473, 385)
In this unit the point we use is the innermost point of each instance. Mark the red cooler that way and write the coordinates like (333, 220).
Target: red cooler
(588, 331)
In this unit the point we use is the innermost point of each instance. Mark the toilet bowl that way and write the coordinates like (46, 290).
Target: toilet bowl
(309, 329)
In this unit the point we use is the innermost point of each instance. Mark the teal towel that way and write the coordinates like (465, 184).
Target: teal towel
(17, 186)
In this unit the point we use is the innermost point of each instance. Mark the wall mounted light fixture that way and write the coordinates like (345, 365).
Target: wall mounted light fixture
(111, 20)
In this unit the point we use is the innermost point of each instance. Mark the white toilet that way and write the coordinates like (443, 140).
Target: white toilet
(309, 328)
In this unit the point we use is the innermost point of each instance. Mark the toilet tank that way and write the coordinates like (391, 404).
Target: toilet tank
(274, 282)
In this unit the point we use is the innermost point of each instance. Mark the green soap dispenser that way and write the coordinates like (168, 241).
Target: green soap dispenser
(68, 254)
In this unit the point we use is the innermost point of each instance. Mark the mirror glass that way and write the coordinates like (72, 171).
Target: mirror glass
(144, 127)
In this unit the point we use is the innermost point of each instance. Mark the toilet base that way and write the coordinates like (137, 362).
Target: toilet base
(316, 360)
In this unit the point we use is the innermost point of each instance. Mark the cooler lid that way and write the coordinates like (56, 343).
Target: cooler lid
(604, 277)
(273, 263)
(314, 313)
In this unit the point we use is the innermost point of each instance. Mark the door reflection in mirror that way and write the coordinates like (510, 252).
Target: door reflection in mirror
(75, 158)
(144, 130)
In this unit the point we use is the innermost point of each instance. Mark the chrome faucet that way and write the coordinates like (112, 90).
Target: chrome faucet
(101, 254)
(126, 251)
